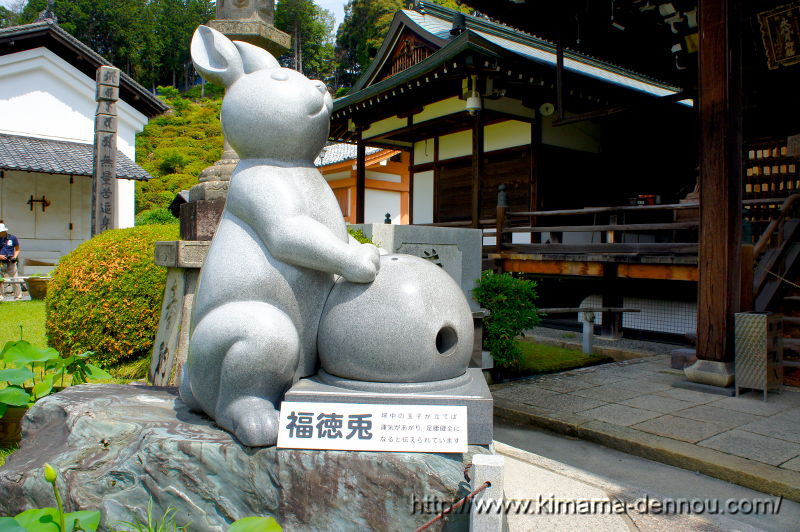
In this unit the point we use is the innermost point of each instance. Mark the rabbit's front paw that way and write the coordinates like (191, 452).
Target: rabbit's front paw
(364, 264)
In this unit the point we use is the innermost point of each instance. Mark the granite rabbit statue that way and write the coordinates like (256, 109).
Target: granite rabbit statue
(279, 245)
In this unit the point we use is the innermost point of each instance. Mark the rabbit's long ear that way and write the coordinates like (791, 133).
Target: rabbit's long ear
(215, 57)
(255, 58)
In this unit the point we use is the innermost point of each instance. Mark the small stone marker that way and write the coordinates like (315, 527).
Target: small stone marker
(104, 183)
(373, 427)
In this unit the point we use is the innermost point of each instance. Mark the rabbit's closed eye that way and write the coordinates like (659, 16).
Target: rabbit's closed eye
(279, 75)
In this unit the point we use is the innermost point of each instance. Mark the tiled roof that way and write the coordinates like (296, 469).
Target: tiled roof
(34, 154)
(437, 20)
(339, 152)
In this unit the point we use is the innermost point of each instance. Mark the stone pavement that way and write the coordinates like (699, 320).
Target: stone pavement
(549, 495)
(635, 406)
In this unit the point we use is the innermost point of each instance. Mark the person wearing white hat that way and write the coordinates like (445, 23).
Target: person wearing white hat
(9, 251)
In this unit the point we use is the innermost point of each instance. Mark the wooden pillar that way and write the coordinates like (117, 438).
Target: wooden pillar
(720, 178)
(535, 155)
(477, 164)
(612, 297)
(361, 177)
(411, 185)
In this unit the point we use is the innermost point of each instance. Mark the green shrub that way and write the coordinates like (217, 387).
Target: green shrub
(157, 216)
(511, 302)
(172, 163)
(106, 295)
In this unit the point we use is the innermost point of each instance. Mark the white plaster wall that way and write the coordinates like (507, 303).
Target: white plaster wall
(45, 235)
(338, 175)
(441, 108)
(582, 136)
(423, 198)
(381, 176)
(126, 202)
(455, 145)
(44, 96)
(382, 126)
(505, 135)
(423, 152)
(378, 202)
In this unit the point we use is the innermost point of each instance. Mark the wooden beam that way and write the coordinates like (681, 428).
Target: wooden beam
(602, 113)
(554, 267)
(719, 260)
(669, 272)
(361, 177)
(664, 272)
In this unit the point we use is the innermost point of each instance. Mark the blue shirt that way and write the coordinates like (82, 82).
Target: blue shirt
(7, 245)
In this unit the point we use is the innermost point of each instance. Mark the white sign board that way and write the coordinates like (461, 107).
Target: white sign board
(366, 427)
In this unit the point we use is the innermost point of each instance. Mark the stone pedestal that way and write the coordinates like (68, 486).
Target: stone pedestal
(470, 391)
(119, 446)
(710, 372)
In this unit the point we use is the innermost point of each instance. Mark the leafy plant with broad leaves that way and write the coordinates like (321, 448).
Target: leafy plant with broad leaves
(255, 524)
(44, 368)
(511, 302)
(51, 519)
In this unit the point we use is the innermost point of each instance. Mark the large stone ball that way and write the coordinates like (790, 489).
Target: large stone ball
(412, 324)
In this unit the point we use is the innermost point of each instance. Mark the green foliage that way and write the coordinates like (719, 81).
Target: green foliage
(106, 295)
(43, 369)
(166, 524)
(359, 235)
(158, 216)
(511, 302)
(51, 519)
(311, 28)
(255, 524)
(177, 146)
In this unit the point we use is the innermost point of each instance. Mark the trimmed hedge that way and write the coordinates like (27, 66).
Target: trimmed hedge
(511, 302)
(106, 295)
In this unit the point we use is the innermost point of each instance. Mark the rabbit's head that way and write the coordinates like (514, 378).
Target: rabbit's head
(268, 112)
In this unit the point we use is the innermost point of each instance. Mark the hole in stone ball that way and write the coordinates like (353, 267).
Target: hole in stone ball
(446, 339)
(395, 258)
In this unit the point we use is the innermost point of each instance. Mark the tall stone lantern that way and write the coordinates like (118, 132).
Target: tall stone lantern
(241, 20)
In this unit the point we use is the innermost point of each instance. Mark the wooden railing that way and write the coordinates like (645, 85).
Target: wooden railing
(612, 231)
(773, 235)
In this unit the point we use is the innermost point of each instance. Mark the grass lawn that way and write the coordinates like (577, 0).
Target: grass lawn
(539, 358)
(29, 315)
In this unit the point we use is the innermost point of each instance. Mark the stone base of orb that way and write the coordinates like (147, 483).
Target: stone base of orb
(119, 446)
(711, 372)
(255, 32)
(470, 390)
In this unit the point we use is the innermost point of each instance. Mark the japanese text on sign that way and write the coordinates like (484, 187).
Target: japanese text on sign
(366, 427)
